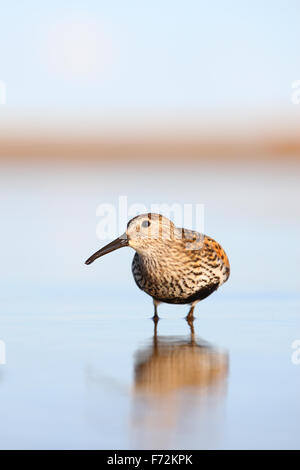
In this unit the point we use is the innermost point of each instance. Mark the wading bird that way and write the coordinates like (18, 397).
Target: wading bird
(171, 264)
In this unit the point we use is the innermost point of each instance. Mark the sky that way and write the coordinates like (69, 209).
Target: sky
(155, 55)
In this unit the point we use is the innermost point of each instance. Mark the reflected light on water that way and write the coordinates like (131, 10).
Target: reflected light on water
(176, 378)
(174, 362)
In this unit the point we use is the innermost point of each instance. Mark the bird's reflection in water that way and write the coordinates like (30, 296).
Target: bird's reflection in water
(179, 389)
(174, 362)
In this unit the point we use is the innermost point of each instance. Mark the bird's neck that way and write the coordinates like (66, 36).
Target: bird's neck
(156, 261)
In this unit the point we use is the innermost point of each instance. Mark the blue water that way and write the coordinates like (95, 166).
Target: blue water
(83, 366)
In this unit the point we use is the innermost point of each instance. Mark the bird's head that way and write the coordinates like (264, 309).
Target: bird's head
(144, 234)
(146, 231)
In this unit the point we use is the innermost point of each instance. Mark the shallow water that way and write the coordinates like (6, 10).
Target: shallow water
(84, 367)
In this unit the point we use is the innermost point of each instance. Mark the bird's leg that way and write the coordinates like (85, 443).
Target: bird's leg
(191, 325)
(155, 317)
(155, 334)
(190, 315)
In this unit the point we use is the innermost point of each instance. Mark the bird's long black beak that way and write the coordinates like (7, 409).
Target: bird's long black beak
(117, 243)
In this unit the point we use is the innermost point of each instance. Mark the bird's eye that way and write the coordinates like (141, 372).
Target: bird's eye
(146, 223)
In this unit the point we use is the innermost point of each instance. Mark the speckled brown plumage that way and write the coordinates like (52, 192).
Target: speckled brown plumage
(178, 275)
(172, 265)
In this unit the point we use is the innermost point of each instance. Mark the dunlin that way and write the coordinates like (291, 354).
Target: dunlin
(171, 264)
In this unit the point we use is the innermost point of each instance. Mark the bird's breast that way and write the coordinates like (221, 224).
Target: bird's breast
(175, 279)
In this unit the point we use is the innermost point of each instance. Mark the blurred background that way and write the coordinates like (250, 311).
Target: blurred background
(115, 80)
(163, 102)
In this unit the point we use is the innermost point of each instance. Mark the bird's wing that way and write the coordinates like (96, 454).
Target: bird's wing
(211, 245)
(193, 240)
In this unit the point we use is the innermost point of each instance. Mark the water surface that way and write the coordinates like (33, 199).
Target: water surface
(85, 368)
